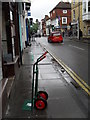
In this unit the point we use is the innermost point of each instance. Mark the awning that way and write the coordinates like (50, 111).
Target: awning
(61, 26)
(74, 23)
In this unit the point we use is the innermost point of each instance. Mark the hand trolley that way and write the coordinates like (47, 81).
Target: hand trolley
(39, 98)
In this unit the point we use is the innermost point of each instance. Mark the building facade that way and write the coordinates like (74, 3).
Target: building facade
(86, 18)
(60, 16)
(48, 25)
(43, 27)
(11, 47)
(80, 17)
(76, 18)
(40, 28)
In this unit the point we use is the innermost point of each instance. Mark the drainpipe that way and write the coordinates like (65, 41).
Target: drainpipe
(79, 20)
(20, 31)
(1, 41)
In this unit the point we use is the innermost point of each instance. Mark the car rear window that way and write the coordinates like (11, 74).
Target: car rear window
(56, 34)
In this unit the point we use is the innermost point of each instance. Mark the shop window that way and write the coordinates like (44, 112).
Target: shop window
(73, 14)
(89, 31)
(12, 33)
(89, 6)
(84, 7)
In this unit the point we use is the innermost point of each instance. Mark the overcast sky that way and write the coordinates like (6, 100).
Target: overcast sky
(40, 8)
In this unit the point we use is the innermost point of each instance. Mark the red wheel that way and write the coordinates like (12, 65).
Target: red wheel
(40, 103)
(42, 94)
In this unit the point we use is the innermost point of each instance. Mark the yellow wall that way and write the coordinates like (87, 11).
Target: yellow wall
(81, 21)
(76, 8)
(85, 27)
(83, 24)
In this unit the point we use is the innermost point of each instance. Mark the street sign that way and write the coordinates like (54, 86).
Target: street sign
(29, 13)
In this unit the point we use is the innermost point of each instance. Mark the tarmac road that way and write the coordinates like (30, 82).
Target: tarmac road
(73, 54)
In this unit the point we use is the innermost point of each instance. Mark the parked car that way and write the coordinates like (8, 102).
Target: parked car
(55, 37)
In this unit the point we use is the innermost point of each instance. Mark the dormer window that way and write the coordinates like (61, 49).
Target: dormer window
(64, 11)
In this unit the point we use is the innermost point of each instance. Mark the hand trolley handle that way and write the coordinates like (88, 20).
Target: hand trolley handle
(42, 57)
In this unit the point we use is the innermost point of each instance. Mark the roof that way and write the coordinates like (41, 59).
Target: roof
(62, 5)
(47, 17)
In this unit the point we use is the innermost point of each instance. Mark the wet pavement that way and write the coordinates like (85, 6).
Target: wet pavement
(63, 101)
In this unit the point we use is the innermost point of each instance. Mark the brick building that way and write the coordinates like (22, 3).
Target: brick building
(44, 25)
(48, 25)
(60, 16)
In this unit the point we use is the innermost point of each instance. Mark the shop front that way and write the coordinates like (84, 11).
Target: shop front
(75, 28)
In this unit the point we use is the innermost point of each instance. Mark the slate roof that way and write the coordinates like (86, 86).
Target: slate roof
(62, 5)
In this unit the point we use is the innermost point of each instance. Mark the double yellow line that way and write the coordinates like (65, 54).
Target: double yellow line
(80, 82)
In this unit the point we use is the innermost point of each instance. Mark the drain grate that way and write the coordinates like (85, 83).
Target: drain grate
(75, 85)
(52, 59)
(62, 70)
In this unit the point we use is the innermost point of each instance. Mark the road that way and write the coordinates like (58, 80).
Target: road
(74, 54)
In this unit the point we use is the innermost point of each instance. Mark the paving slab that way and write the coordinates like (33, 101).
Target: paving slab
(50, 76)
(64, 108)
(51, 84)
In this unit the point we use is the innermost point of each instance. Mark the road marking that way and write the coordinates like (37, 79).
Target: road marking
(81, 82)
(76, 47)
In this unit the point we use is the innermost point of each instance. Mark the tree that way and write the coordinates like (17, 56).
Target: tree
(33, 28)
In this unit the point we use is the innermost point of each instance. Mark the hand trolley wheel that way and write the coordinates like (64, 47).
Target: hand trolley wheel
(42, 94)
(40, 103)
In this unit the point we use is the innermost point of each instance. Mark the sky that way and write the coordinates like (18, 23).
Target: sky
(40, 8)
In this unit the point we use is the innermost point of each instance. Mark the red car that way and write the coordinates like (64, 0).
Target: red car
(55, 37)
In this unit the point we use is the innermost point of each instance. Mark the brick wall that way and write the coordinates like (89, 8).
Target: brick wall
(59, 12)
